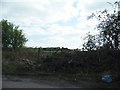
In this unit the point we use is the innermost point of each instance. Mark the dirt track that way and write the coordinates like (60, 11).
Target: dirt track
(17, 82)
(52, 82)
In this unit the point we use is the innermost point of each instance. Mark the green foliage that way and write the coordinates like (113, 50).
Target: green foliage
(90, 44)
(110, 30)
(109, 27)
(12, 36)
(18, 61)
(80, 63)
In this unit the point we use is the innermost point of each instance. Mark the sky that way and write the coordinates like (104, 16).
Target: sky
(53, 23)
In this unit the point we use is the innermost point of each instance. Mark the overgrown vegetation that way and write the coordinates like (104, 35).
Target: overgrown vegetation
(81, 63)
(101, 53)
(109, 30)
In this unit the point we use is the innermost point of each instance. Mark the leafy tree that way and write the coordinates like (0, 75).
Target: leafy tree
(109, 27)
(12, 36)
(90, 44)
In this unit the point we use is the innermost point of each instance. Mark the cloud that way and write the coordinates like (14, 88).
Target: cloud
(60, 36)
(49, 23)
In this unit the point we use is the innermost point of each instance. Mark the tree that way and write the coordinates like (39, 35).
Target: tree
(109, 27)
(12, 36)
(90, 44)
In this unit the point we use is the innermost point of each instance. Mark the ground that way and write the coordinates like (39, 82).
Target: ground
(24, 82)
(51, 82)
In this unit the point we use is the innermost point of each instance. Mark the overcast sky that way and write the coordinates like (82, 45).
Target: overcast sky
(53, 23)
